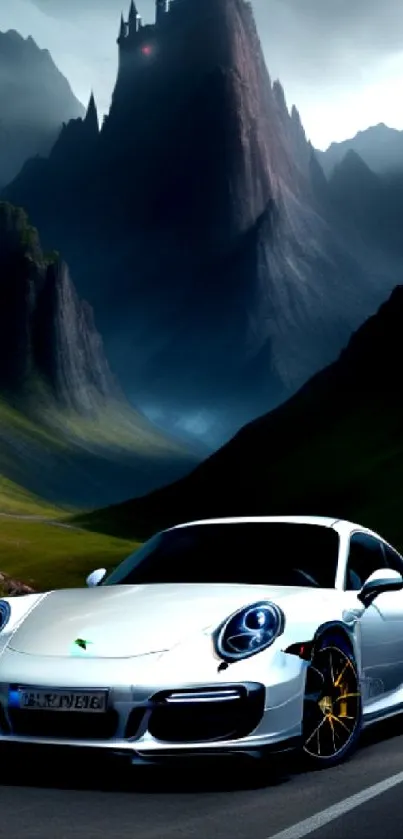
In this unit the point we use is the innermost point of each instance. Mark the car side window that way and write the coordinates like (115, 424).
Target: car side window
(365, 556)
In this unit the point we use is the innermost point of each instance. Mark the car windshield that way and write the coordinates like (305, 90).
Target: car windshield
(254, 553)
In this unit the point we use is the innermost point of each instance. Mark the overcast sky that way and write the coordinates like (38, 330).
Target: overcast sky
(340, 61)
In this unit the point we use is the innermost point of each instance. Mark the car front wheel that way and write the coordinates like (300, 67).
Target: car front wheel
(332, 706)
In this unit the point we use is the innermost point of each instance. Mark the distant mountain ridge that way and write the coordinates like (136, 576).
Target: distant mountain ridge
(195, 221)
(380, 147)
(35, 100)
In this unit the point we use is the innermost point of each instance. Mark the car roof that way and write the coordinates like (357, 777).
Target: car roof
(341, 525)
(319, 520)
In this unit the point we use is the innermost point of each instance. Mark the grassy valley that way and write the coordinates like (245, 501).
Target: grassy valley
(69, 439)
(51, 470)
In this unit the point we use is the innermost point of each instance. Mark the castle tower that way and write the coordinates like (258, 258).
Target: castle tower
(161, 9)
(133, 25)
(134, 21)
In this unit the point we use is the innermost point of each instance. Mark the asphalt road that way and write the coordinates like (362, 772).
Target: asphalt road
(107, 800)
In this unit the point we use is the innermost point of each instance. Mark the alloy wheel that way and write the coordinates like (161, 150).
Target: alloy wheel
(332, 704)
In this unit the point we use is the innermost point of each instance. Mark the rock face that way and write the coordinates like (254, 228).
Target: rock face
(212, 259)
(35, 100)
(47, 335)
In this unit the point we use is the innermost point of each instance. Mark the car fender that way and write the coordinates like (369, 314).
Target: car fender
(20, 607)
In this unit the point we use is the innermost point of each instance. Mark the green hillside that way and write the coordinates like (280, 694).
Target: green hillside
(50, 555)
(36, 546)
(76, 462)
(15, 500)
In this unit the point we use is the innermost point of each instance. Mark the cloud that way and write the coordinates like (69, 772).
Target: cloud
(341, 61)
(329, 38)
(369, 25)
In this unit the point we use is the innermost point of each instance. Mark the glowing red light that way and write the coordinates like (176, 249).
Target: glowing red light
(146, 50)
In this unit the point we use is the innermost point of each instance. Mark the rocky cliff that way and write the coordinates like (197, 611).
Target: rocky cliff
(47, 334)
(67, 434)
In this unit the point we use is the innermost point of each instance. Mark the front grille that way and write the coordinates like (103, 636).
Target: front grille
(207, 715)
(65, 725)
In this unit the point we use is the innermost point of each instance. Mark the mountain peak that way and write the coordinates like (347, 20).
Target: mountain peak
(380, 147)
(35, 100)
(12, 35)
(353, 166)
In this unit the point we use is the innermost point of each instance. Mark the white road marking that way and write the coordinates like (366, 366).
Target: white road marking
(301, 829)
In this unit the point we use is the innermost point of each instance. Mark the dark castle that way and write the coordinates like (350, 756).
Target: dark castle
(188, 37)
(137, 38)
(134, 34)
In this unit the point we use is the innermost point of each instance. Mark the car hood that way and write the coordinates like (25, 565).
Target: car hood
(123, 621)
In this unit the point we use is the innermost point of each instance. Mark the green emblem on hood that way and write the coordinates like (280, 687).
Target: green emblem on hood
(80, 642)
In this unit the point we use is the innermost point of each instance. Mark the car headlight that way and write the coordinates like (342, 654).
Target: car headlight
(5, 614)
(249, 631)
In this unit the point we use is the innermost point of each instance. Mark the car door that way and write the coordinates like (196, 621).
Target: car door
(390, 606)
(381, 624)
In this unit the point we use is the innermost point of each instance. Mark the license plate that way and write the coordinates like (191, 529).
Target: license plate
(93, 702)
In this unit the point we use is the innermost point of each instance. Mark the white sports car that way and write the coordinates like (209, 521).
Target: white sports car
(219, 636)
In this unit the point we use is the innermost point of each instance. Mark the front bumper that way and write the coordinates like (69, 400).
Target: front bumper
(150, 722)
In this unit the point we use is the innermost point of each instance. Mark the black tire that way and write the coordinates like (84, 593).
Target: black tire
(332, 718)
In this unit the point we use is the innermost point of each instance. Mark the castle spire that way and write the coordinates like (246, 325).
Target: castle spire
(134, 21)
(133, 13)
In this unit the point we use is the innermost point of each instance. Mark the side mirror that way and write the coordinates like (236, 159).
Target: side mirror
(96, 577)
(385, 579)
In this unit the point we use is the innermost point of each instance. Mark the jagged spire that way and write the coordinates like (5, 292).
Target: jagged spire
(91, 117)
(122, 30)
(279, 94)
